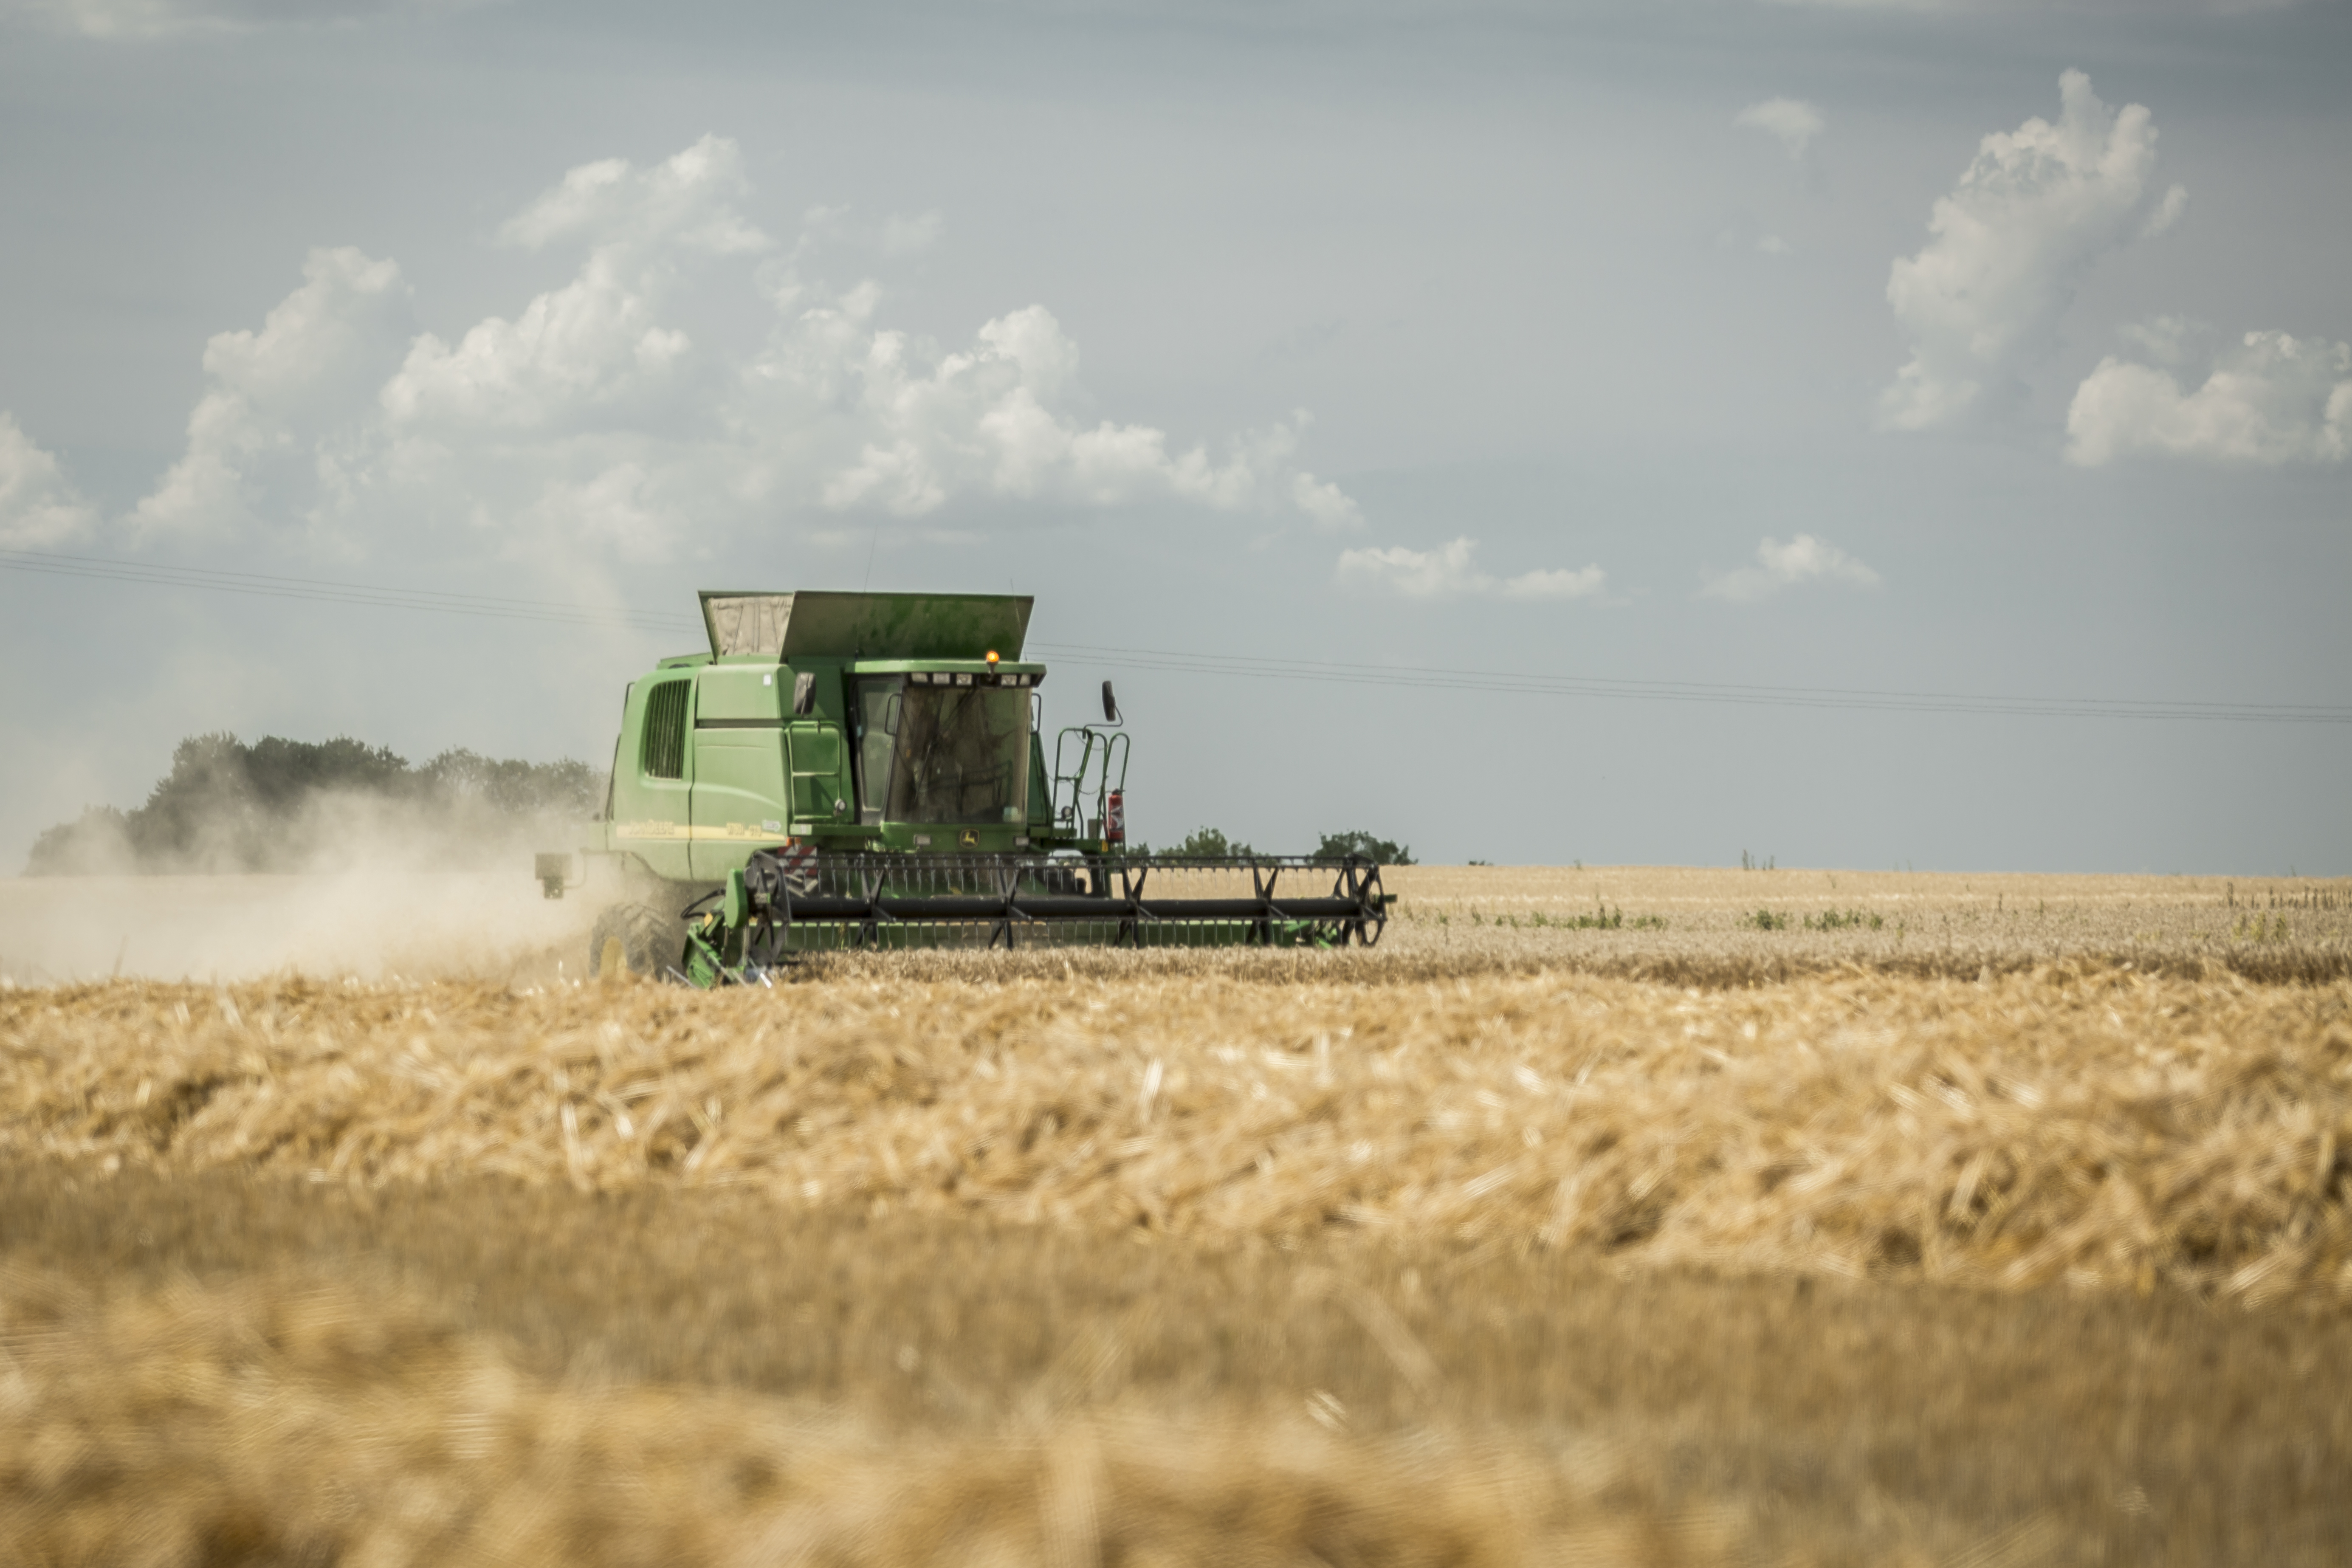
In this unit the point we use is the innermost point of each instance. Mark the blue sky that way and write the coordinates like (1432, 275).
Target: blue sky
(1980, 349)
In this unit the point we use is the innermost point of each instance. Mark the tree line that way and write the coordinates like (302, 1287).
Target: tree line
(278, 805)
(1211, 842)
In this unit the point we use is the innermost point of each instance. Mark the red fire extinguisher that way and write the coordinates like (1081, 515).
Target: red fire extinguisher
(1114, 818)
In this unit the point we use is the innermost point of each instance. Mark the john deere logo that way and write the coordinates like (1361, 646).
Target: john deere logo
(970, 840)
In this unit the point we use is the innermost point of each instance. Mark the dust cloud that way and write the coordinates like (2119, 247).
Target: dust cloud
(227, 874)
(362, 924)
(365, 889)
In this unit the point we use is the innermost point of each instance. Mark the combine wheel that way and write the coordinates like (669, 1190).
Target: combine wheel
(634, 940)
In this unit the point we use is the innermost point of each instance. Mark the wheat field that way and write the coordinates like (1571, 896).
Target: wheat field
(2009, 1227)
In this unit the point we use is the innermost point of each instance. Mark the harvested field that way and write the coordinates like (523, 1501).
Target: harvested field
(1506, 1242)
(2107, 1127)
(228, 1369)
(1684, 926)
(1708, 927)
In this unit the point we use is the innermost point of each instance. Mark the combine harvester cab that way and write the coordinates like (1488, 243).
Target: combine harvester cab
(869, 770)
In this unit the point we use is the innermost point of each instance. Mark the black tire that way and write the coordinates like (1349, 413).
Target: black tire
(650, 945)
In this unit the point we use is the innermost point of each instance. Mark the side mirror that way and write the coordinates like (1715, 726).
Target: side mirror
(1110, 705)
(805, 694)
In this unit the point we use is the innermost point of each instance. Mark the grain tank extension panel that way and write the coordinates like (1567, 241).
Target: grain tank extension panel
(865, 626)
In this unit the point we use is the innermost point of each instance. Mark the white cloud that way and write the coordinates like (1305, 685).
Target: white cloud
(591, 414)
(117, 18)
(686, 201)
(272, 395)
(1558, 583)
(572, 355)
(38, 506)
(135, 21)
(1981, 301)
(2167, 339)
(623, 507)
(1325, 503)
(2270, 399)
(1449, 571)
(1803, 559)
(1793, 121)
(594, 352)
(990, 419)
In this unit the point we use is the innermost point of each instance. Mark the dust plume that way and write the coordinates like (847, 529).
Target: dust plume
(366, 923)
(332, 858)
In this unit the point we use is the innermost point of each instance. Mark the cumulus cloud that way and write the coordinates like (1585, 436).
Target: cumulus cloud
(1451, 571)
(591, 412)
(38, 506)
(1981, 301)
(591, 348)
(626, 506)
(596, 352)
(688, 200)
(1803, 559)
(1793, 121)
(273, 397)
(2269, 399)
(989, 418)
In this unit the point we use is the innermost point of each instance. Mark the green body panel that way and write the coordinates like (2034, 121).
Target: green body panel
(651, 817)
(742, 692)
(737, 797)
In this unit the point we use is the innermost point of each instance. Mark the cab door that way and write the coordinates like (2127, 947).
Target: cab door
(653, 815)
(738, 793)
(739, 765)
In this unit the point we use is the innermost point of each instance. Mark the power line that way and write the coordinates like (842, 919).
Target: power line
(320, 591)
(1835, 698)
(1406, 676)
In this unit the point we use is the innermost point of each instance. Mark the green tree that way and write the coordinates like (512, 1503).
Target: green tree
(229, 806)
(1338, 845)
(94, 844)
(1210, 841)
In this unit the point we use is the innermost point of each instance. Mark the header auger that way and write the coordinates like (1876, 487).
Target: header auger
(865, 770)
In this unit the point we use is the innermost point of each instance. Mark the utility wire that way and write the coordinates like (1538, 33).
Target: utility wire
(1407, 677)
(265, 585)
(1843, 698)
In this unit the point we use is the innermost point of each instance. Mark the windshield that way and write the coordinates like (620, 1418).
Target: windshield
(962, 755)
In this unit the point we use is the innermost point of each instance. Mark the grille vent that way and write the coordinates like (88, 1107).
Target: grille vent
(665, 749)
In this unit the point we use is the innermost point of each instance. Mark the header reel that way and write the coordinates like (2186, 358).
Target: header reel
(797, 900)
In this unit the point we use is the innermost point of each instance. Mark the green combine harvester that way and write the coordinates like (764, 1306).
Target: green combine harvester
(868, 771)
